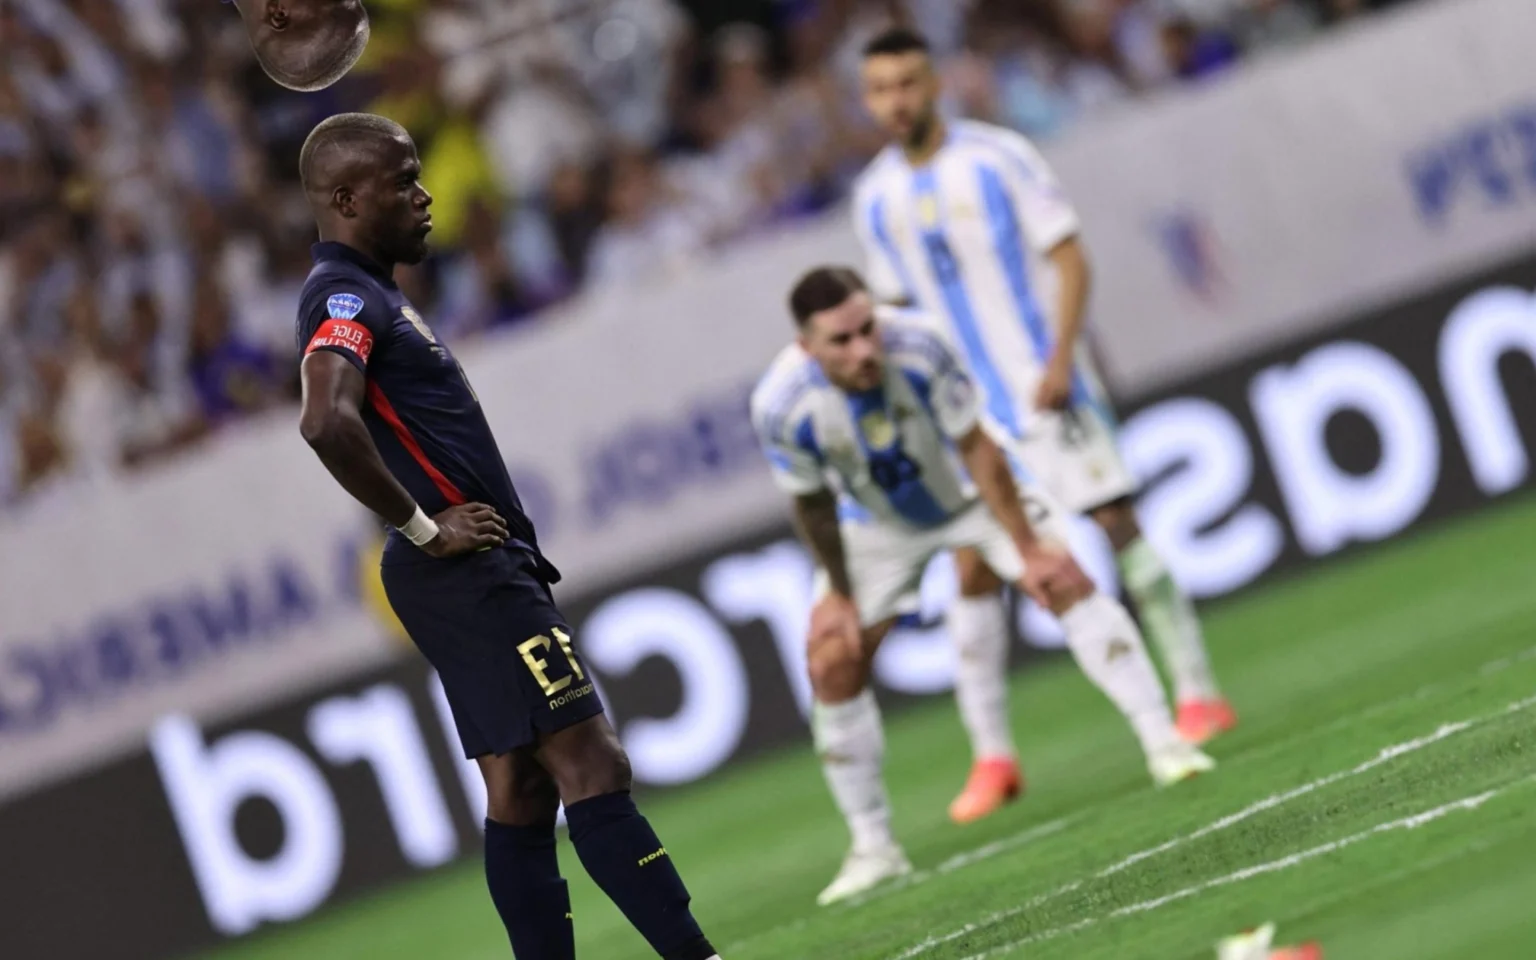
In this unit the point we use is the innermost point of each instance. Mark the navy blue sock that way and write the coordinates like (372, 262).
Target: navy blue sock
(534, 903)
(622, 855)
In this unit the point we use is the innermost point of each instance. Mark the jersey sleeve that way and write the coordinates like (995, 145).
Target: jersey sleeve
(343, 318)
(793, 459)
(1047, 215)
(956, 404)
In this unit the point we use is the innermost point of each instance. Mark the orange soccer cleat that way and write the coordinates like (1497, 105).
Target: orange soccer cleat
(1201, 720)
(1307, 951)
(993, 782)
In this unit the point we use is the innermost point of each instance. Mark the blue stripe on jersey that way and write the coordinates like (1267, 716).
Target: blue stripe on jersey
(850, 510)
(1008, 240)
(891, 469)
(921, 386)
(882, 237)
(946, 271)
(920, 345)
(805, 437)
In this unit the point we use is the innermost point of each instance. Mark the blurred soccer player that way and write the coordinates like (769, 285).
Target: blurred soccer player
(305, 44)
(391, 415)
(858, 418)
(967, 221)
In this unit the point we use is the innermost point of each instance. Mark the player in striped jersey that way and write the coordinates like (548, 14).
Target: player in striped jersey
(966, 221)
(874, 427)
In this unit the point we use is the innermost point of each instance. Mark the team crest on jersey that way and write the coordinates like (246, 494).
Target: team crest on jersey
(961, 392)
(879, 432)
(928, 211)
(410, 314)
(344, 306)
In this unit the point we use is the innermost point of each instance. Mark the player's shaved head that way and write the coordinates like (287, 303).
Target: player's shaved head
(361, 176)
(824, 288)
(343, 148)
(306, 44)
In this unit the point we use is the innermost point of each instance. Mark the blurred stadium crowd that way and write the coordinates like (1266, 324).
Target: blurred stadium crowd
(155, 237)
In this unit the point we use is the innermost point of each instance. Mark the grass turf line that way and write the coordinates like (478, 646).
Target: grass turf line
(1325, 669)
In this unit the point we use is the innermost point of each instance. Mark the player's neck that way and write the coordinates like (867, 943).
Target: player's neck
(361, 246)
(920, 153)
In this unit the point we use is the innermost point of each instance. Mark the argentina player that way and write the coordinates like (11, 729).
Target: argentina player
(967, 221)
(393, 418)
(863, 420)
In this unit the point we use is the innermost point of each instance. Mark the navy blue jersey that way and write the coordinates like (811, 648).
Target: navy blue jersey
(421, 411)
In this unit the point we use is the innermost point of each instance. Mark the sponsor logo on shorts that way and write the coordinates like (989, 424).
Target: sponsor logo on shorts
(557, 702)
(1117, 650)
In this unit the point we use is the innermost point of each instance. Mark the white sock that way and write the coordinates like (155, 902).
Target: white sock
(1109, 649)
(1169, 619)
(851, 744)
(978, 626)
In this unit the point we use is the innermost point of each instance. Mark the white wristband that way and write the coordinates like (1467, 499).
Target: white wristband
(420, 528)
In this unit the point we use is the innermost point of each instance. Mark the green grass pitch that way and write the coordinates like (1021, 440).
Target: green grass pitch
(1379, 797)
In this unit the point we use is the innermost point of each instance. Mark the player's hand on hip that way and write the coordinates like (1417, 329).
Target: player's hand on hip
(1055, 387)
(836, 616)
(466, 528)
(1052, 577)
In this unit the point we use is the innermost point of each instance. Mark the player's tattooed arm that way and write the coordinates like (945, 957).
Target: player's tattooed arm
(332, 424)
(816, 522)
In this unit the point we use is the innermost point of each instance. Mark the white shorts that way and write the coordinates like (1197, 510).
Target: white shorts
(1073, 455)
(886, 560)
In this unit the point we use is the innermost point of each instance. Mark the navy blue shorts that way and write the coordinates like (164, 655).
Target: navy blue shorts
(489, 626)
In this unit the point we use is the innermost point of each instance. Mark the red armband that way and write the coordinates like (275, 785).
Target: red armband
(346, 335)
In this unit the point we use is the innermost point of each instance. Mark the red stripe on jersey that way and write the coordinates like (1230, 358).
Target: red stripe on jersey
(344, 335)
(384, 409)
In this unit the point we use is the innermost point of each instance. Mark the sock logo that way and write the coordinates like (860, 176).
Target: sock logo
(1117, 648)
(660, 852)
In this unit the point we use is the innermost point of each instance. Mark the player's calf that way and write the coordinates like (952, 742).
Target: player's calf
(615, 842)
(521, 867)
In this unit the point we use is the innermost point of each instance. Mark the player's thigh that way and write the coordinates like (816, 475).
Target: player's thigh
(1074, 456)
(979, 531)
(501, 647)
(885, 567)
(976, 576)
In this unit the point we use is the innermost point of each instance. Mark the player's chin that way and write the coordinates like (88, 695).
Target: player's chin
(417, 251)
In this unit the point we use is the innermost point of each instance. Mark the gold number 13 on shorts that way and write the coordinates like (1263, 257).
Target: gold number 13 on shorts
(530, 649)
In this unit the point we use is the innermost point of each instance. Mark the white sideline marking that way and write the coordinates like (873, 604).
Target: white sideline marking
(963, 859)
(1386, 755)
(1248, 873)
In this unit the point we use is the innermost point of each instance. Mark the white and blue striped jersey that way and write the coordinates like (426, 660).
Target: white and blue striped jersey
(888, 452)
(964, 237)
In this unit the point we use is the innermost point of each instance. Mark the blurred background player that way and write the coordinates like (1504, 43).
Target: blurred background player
(966, 220)
(306, 44)
(392, 416)
(876, 406)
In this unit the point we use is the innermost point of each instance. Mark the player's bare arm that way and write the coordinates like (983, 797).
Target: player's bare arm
(1070, 261)
(816, 522)
(332, 424)
(1051, 576)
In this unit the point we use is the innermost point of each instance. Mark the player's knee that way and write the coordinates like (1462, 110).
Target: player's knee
(590, 762)
(1118, 521)
(836, 675)
(520, 794)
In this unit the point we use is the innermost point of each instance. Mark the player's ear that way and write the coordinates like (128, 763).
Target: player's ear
(275, 14)
(345, 202)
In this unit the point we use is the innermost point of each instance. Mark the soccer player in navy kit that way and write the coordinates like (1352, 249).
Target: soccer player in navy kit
(391, 415)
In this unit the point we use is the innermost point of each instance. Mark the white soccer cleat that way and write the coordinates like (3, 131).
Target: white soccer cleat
(1178, 762)
(865, 870)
